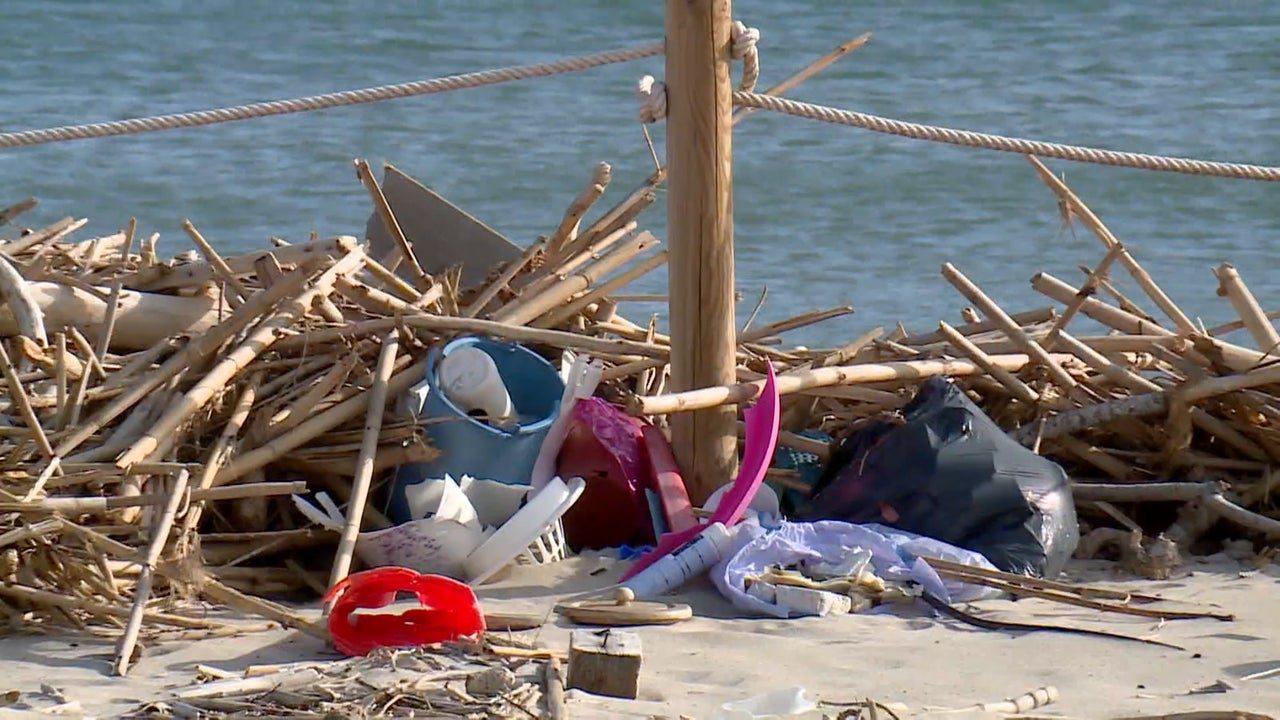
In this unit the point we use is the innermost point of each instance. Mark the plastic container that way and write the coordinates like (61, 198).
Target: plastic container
(534, 533)
(690, 561)
(471, 447)
(470, 380)
(447, 610)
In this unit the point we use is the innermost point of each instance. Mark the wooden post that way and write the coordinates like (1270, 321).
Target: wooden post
(700, 223)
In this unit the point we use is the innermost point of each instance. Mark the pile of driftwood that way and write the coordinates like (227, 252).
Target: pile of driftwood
(1167, 427)
(158, 413)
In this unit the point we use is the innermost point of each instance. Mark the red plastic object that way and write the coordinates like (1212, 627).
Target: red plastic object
(604, 448)
(449, 611)
(763, 420)
(676, 506)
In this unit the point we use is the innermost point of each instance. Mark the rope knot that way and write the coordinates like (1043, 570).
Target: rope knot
(652, 94)
(744, 40)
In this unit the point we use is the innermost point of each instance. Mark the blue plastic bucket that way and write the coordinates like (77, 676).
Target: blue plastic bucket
(470, 447)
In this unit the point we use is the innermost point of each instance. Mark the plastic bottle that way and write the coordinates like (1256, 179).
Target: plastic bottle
(690, 561)
(470, 379)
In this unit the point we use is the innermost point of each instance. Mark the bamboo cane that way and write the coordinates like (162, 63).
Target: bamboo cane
(578, 305)
(314, 427)
(11, 213)
(142, 593)
(526, 310)
(254, 344)
(1140, 275)
(568, 228)
(220, 450)
(19, 397)
(1089, 288)
(383, 208)
(504, 279)
(223, 271)
(1246, 305)
(793, 382)
(364, 465)
(1019, 389)
(196, 351)
(993, 311)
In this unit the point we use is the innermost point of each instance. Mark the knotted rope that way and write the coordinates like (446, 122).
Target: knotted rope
(652, 93)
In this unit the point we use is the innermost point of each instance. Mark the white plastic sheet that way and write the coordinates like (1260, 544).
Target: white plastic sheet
(776, 704)
(894, 556)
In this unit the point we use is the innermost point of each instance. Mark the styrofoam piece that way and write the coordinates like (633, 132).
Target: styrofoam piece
(513, 539)
(808, 601)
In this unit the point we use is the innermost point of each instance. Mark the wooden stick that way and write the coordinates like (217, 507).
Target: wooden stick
(442, 324)
(9, 214)
(504, 279)
(1031, 317)
(142, 593)
(44, 597)
(391, 281)
(220, 450)
(1141, 276)
(796, 381)
(549, 275)
(811, 70)
(109, 324)
(799, 321)
(562, 315)
(253, 345)
(993, 311)
(1246, 305)
(1105, 313)
(60, 380)
(530, 309)
(50, 234)
(1019, 389)
(568, 228)
(130, 230)
(23, 402)
(1138, 492)
(383, 208)
(315, 426)
(238, 292)
(1088, 289)
(1065, 598)
(364, 465)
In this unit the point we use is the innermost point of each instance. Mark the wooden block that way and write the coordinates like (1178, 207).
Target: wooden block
(605, 663)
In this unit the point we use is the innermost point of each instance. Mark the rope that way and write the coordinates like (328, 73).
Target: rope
(652, 93)
(972, 139)
(329, 100)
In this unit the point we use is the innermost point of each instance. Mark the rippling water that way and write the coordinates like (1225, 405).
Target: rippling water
(825, 215)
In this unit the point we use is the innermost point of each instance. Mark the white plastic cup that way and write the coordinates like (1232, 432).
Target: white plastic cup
(470, 380)
(690, 561)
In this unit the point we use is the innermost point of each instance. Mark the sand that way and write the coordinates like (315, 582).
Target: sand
(907, 656)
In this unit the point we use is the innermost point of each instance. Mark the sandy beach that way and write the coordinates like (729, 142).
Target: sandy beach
(903, 656)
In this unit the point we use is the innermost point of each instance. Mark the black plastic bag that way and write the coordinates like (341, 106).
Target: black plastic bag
(952, 474)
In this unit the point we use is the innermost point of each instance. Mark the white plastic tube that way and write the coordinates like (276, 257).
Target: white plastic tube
(688, 562)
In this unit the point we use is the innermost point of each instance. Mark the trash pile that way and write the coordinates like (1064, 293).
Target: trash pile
(249, 429)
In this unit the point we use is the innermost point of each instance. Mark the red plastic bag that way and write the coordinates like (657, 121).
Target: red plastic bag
(605, 448)
(449, 611)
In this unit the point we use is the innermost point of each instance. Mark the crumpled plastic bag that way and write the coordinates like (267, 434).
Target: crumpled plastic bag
(894, 556)
(776, 704)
